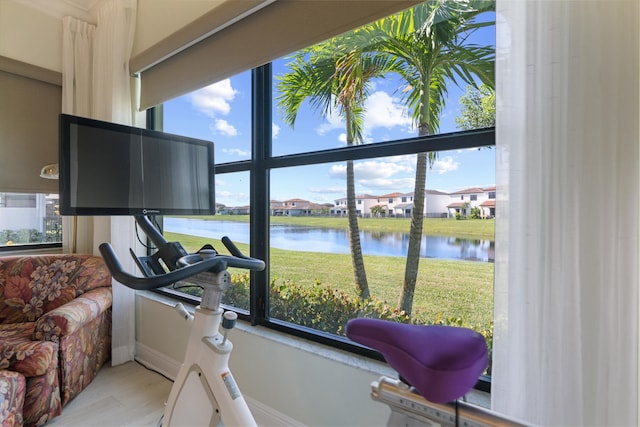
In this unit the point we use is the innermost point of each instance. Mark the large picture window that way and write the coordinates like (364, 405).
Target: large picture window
(342, 166)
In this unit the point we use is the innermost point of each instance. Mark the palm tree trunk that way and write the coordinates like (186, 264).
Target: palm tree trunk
(415, 236)
(359, 273)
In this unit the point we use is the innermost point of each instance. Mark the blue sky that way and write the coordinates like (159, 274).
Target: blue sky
(222, 113)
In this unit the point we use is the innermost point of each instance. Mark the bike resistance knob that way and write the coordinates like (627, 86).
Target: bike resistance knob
(229, 319)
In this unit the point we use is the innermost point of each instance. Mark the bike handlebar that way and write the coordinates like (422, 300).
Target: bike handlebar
(190, 266)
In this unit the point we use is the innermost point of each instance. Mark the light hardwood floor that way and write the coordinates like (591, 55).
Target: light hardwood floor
(125, 395)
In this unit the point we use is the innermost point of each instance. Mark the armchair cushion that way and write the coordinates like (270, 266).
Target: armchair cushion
(19, 353)
(70, 317)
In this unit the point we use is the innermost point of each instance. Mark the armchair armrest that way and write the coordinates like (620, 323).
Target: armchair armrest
(73, 315)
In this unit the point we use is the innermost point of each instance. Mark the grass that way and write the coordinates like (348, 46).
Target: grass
(460, 289)
(466, 228)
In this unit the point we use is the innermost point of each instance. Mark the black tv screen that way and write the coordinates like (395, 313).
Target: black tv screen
(112, 169)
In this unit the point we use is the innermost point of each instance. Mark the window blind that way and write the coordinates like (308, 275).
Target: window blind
(265, 32)
(30, 104)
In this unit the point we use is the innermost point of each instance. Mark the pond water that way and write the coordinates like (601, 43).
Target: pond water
(309, 239)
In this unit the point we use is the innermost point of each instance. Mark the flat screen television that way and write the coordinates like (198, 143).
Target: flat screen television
(112, 169)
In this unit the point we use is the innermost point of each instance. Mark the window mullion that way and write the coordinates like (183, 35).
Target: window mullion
(261, 117)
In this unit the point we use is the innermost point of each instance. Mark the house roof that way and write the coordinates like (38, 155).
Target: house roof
(472, 190)
(391, 195)
(488, 203)
(469, 191)
(456, 204)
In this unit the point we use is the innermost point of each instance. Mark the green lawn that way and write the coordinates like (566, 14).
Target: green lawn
(460, 289)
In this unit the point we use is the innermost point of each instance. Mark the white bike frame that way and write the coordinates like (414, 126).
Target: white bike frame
(205, 392)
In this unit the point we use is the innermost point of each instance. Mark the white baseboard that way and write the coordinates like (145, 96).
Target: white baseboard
(157, 361)
(265, 415)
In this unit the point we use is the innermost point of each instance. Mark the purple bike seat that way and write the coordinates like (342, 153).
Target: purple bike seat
(441, 362)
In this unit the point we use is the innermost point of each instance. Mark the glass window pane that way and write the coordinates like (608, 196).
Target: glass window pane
(29, 219)
(355, 76)
(220, 113)
(313, 280)
(232, 221)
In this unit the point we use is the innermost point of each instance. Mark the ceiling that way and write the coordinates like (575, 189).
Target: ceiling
(82, 9)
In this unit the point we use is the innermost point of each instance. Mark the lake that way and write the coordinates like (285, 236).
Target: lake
(309, 239)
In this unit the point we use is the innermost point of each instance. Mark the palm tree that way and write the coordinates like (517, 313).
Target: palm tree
(336, 74)
(430, 42)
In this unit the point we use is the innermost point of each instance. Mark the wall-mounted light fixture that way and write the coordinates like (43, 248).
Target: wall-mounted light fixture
(49, 171)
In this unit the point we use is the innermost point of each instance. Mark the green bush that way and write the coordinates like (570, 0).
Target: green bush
(328, 310)
(17, 237)
(238, 294)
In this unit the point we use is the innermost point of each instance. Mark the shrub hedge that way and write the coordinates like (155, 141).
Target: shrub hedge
(326, 309)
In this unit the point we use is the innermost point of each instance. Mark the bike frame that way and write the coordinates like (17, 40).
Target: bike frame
(205, 392)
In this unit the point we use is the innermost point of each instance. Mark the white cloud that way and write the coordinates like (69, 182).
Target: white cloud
(237, 152)
(384, 111)
(221, 126)
(387, 185)
(333, 122)
(327, 190)
(338, 171)
(275, 130)
(380, 176)
(372, 169)
(444, 165)
(230, 198)
(242, 198)
(214, 99)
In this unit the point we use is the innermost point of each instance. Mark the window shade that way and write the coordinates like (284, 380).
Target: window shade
(275, 30)
(30, 104)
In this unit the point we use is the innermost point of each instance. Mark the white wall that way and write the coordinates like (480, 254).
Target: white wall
(30, 35)
(306, 382)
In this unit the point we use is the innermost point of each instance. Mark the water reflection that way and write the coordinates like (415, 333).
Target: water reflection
(309, 239)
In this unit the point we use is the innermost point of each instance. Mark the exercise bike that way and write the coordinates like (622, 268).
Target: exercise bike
(438, 363)
(204, 392)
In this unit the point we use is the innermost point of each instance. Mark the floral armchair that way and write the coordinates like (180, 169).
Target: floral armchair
(55, 330)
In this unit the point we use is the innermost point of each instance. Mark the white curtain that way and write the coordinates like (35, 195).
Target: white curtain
(97, 84)
(77, 75)
(566, 298)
